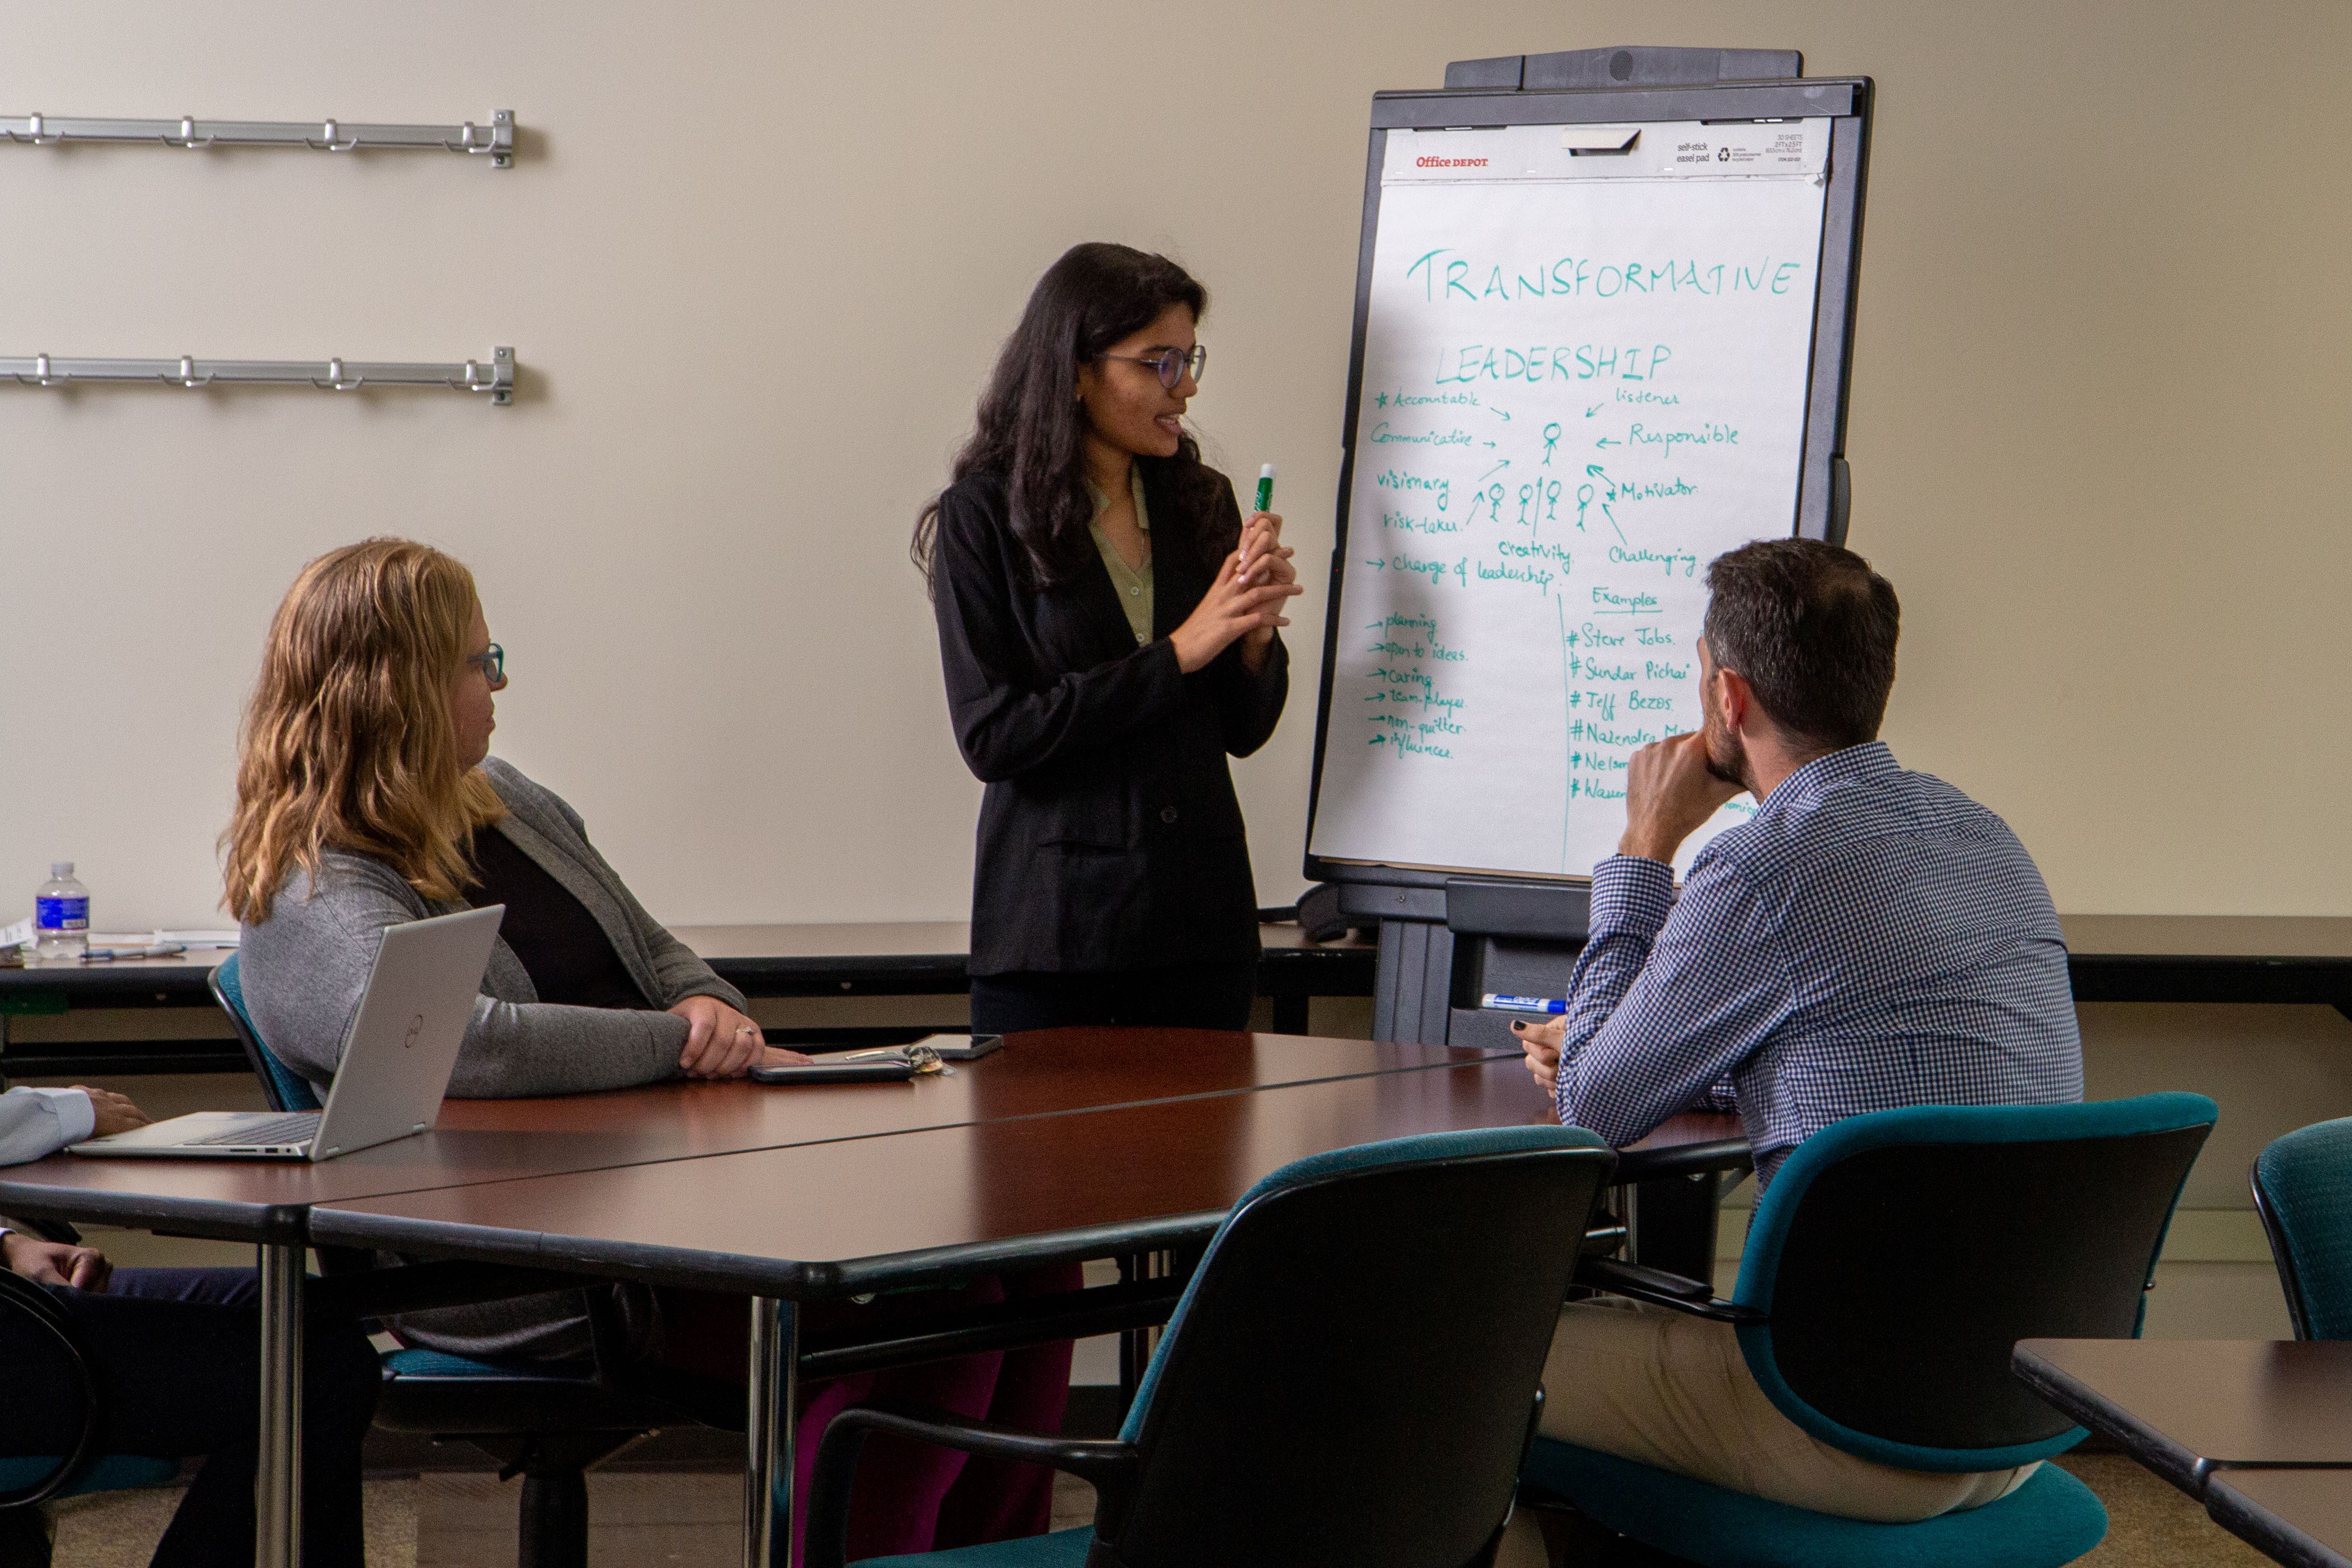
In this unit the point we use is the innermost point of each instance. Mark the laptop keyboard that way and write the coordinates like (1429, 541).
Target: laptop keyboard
(296, 1127)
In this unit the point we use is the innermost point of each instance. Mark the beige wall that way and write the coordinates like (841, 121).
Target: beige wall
(755, 259)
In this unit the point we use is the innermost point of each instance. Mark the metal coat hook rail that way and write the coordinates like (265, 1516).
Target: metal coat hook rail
(494, 379)
(494, 141)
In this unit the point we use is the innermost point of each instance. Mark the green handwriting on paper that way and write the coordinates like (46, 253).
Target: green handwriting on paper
(1408, 712)
(1609, 735)
(1533, 575)
(1406, 522)
(1400, 647)
(1382, 435)
(1537, 551)
(1435, 571)
(1445, 275)
(1673, 563)
(1707, 435)
(1611, 601)
(1419, 399)
(1542, 363)
(1391, 480)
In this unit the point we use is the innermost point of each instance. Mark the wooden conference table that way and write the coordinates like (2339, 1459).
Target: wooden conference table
(2259, 1431)
(1068, 1145)
(2111, 958)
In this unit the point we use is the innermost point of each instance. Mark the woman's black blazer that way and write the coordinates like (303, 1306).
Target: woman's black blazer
(1109, 834)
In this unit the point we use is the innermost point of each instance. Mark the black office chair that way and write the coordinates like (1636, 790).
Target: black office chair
(25, 1481)
(1890, 1272)
(546, 1424)
(1350, 1380)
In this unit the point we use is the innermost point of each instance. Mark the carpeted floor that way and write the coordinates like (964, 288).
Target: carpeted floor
(683, 1519)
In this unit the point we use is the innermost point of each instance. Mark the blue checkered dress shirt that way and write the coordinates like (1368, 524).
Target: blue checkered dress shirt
(1870, 938)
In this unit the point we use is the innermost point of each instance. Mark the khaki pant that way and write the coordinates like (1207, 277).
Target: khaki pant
(1672, 1391)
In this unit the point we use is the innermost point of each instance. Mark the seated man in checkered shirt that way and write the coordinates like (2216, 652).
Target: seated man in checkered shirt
(1870, 938)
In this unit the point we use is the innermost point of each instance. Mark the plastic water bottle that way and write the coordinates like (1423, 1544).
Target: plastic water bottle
(60, 916)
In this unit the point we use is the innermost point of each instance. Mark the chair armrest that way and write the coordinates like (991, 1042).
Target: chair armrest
(1109, 1463)
(24, 1298)
(1660, 1289)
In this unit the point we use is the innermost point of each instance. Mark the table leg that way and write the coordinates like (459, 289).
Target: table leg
(277, 1479)
(769, 1465)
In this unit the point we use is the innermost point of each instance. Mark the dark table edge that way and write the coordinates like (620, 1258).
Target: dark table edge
(332, 1224)
(210, 1219)
(788, 1278)
(2144, 1443)
(2265, 1532)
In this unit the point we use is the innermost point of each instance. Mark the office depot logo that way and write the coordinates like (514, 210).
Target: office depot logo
(1426, 162)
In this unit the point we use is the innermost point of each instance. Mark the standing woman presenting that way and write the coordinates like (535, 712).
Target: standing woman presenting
(1107, 626)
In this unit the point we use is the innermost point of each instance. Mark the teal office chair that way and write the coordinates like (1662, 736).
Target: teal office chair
(1891, 1269)
(2303, 1190)
(1350, 1378)
(27, 1481)
(546, 1424)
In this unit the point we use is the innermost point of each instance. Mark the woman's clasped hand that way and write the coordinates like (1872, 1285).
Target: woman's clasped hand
(1245, 600)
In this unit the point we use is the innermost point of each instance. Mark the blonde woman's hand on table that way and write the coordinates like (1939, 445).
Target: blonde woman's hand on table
(720, 1042)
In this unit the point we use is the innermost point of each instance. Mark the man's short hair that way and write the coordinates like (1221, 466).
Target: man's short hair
(1812, 628)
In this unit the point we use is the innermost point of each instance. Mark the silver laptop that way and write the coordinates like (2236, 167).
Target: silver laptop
(395, 1065)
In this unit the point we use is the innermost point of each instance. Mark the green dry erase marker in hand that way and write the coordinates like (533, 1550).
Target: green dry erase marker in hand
(1265, 503)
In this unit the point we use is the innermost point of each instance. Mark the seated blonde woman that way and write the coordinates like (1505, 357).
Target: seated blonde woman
(366, 796)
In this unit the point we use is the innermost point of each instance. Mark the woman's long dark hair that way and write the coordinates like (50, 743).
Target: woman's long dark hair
(1032, 430)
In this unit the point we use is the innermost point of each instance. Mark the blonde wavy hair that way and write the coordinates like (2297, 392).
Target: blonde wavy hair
(347, 743)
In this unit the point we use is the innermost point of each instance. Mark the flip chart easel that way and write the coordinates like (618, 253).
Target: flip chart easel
(1603, 323)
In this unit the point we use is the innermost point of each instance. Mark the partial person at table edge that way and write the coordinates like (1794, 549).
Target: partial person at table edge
(176, 1352)
(1108, 628)
(1870, 938)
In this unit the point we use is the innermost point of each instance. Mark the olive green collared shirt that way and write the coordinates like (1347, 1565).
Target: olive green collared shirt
(1134, 587)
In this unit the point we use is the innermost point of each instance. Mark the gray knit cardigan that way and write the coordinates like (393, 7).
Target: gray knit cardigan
(304, 969)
